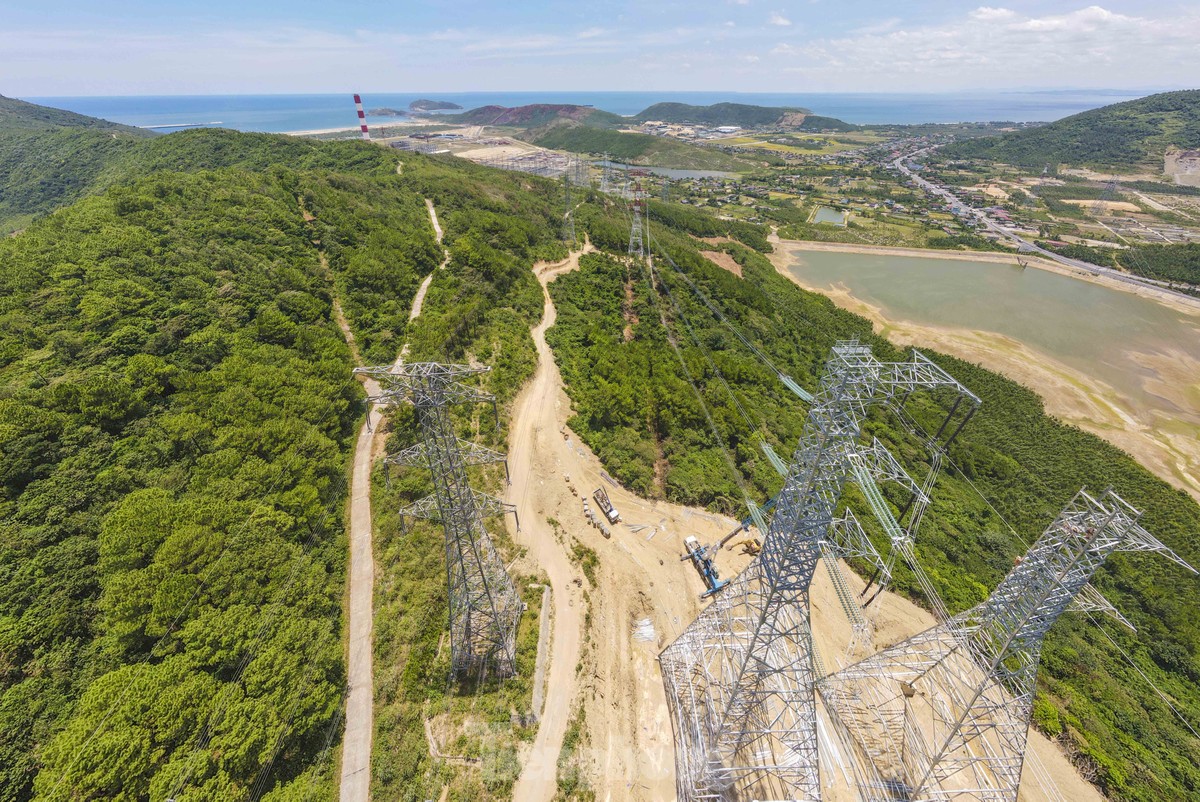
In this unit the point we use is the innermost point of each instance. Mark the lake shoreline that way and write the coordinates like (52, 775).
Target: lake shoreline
(1165, 443)
(1170, 300)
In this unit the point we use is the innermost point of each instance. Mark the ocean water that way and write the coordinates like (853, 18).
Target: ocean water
(275, 113)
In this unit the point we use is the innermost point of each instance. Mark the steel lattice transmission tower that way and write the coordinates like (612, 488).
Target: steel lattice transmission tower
(944, 715)
(484, 605)
(740, 680)
(568, 232)
(637, 212)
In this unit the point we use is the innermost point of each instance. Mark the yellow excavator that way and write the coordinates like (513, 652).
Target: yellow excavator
(750, 545)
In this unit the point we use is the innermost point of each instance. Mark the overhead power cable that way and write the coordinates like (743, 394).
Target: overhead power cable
(787, 380)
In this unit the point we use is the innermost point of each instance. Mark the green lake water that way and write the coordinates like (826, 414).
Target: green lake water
(1104, 333)
(826, 215)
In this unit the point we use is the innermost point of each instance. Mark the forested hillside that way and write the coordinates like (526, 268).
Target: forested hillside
(176, 417)
(635, 407)
(41, 170)
(19, 114)
(1131, 135)
(177, 413)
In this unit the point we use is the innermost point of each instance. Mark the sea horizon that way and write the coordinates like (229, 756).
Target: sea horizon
(277, 113)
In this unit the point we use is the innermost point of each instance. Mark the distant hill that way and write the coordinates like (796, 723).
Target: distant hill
(744, 116)
(1134, 134)
(658, 151)
(536, 115)
(17, 114)
(432, 105)
(43, 170)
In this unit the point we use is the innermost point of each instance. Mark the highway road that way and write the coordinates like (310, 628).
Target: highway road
(1024, 245)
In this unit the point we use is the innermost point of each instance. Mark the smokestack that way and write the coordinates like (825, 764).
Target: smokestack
(362, 118)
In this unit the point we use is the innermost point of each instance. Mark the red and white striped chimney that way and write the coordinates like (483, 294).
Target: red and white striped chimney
(362, 118)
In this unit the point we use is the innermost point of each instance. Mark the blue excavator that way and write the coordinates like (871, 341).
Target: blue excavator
(704, 566)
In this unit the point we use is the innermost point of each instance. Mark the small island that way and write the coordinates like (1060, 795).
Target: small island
(432, 105)
(387, 112)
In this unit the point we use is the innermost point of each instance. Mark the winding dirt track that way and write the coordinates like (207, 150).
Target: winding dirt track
(533, 424)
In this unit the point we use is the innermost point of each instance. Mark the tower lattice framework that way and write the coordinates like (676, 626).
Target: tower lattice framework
(637, 212)
(740, 680)
(484, 604)
(568, 230)
(945, 714)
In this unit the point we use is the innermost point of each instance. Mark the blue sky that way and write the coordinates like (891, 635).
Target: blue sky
(72, 47)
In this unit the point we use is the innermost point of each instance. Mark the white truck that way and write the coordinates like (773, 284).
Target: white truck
(605, 505)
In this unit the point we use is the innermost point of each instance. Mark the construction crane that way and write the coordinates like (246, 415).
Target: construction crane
(704, 566)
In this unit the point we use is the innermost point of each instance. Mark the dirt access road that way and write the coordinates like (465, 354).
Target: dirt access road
(360, 724)
(642, 599)
(534, 434)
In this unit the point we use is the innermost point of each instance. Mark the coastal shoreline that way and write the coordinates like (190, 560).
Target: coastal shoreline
(1171, 300)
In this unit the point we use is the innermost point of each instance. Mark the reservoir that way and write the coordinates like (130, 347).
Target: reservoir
(1121, 365)
(826, 215)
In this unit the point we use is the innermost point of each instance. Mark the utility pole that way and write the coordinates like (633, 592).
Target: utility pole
(484, 604)
(945, 715)
(740, 680)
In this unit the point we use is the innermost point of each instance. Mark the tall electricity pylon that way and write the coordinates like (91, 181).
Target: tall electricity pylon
(740, 680)
(637, 212)
(484, 605)
(945, 715)
(568, 231)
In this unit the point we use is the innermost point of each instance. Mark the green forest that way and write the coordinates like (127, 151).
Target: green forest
(1134, 134)
(178, 412)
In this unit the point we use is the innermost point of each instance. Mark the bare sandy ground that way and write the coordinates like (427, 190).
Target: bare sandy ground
(722, 259)
(1163, 437)
(1108, 206)
(606, 637)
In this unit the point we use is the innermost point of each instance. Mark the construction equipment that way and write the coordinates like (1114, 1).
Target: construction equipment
(750, 546)
(602, 501)
(704, 566)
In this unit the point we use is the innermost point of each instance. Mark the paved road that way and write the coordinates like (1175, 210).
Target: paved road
(1025, 245)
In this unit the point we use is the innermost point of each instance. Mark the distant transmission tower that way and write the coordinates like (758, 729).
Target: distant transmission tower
(362, 118)
(1110, 192)
(568, 232)
(740, 680)
(637, 212)
(945, 715)
(484, 604)
(606, 175)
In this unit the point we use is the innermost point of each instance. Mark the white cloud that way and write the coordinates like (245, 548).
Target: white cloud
(998, 47)
(778, 19)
